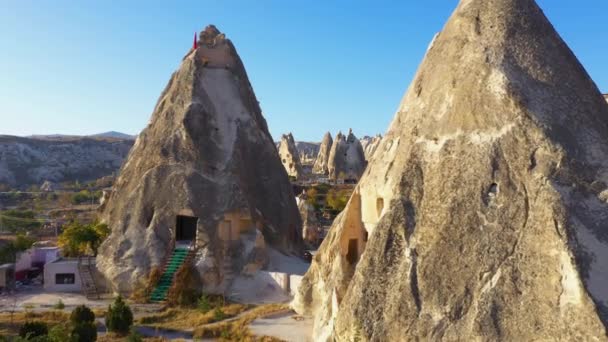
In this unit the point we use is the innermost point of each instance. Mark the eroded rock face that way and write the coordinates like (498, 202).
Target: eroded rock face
(308, 152)
(206, 163)
(346, 158)
(370, 144)
(320, 166)
(290, 157)
(483, 214)
(26, 161)
(311, 229)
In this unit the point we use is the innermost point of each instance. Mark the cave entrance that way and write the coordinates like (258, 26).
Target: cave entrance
(185, 228)
(353, 251)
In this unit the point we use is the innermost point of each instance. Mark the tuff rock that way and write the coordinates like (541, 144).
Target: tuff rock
(346, 158)
(205, 154)
(483, 214)
(290, 157)
(320, 166)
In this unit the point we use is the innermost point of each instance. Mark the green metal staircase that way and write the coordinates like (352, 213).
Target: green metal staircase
(177, 259)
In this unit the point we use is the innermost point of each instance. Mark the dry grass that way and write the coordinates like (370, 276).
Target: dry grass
(187, 319)
(118, 338)
(10, 323)
(238, 329)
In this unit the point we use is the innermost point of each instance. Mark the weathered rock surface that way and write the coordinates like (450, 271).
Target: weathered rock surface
(483, 214)
(606, 97)
(346, 158)
(370, 144)
(290, 157)
(206, 156)
(26, 161)
(311, 229)
(308, 152)
(320, 166)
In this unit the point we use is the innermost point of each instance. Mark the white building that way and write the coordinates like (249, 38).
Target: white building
(62, 275)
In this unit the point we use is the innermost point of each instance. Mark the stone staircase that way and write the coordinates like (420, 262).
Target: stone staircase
(179, 256)
(89, 288)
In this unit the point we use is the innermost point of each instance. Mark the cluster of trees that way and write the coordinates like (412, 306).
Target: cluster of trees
(337, 199)
(81, 326)
(81, 239)
(8, 252)
(16, 221)
(86, 196)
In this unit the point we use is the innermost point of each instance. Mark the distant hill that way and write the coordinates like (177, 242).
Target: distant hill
(112, 135)
(59, 158)
(115, 135)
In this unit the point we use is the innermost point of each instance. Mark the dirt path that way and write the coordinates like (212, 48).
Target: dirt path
(284, 325)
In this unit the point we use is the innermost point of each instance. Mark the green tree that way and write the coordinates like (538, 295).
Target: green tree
(119, 317)
(77, 239)
(19, 220)
(8, 253)
(33, 329)
(337, 199)
(82, 314)
(83, 324)
(59, 333)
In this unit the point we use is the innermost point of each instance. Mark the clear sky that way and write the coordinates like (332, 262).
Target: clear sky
(83, 67)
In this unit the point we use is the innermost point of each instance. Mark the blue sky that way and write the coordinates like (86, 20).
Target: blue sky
(83, 67)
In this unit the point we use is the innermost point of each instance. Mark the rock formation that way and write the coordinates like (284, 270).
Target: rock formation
(320, 166)
(346, 158)
(370, 144)
(311, 229)
(27, 161)
(290, 157)
(606, 97)
(308, 152)
(204, 170)
(484, 212)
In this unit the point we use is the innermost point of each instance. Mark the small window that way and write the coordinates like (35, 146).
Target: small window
(65, 278)
(379, 206)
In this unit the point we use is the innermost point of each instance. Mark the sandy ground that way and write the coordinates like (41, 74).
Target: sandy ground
(285, 326)
(37, 299)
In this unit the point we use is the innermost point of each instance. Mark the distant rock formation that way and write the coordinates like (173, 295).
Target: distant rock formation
(606, 97)
(48, 186)
(27, 161)
(484, 212)
(206, 171)
(370, 144)
(311, 229)
(320, 167)
(290, 157)
(346, 158)
(308, 152)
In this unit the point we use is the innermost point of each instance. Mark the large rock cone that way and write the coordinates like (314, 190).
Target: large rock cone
(320, 166)
(346, 158)
(206, 154)
(483, 214)
(290, 157)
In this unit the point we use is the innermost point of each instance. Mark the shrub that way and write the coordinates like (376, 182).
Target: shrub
(184, 291)
(218, 314)
(83, 332)
(204, 305)
(59, 305)
(134, 336)
(82, 314)
(119, 317)
(33, 329)
(59, 333)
